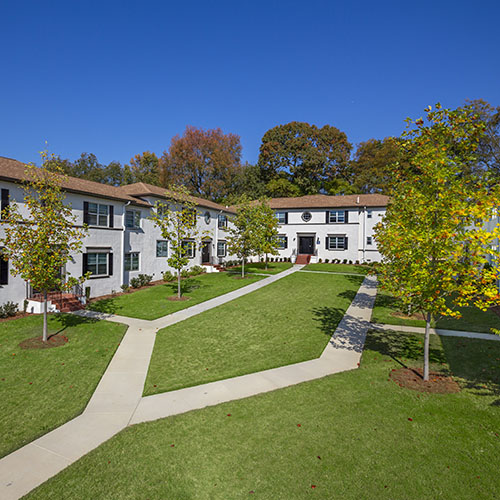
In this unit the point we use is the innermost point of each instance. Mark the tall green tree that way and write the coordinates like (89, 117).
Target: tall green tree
(144, 168)
(308, 155)
(265, 229)
(178, 225)
(435, 239)
(40, 243)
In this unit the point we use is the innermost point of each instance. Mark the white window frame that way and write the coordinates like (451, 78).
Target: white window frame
(222, 221)
(369, 214)
(223, 244)
(336, 216)
(336, 239)
(369, 240)
(281, 217)
(105, 256)
(189, 245)
(165, 254)
(281, 243)
(99, 217)
(130, 257)
(136, 217)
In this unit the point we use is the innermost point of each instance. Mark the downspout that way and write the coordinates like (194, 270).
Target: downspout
(216, 258)
(122, 253)
(364, 234)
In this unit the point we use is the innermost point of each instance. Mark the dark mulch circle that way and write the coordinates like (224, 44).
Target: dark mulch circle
(412, 378)
(38, 343)
(174, 298)
(402, 315)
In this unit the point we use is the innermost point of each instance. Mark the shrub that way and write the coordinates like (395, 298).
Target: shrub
(8, 309)
(196, 270)
(350, 262)
(357, 262)
(125, 288)
(145, 279)
(344, 261)
(327, 261)
(185, 273)
(168, 276)
(320, 260)
(135, 282)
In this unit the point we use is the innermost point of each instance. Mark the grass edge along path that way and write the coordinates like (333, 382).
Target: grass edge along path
(152, 303)
(316, 438)
(286, 322)
(42, 389)
(338, 268)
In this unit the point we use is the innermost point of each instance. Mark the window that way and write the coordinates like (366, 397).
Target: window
(206, 217)
(282, 242)
(97, 263)
(336, 243)
(368, 240)
(189, 249)
(98, 215)
(132, 261)
(337, 216)
(221, 248)
(162, 248)
(282, 218)
(368, 214)
(4, 270)
(5, 201)
(222, 221)
(133, 219)
(306, 216)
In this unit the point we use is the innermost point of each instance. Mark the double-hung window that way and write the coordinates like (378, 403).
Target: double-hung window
(4, 270)
(221, 248)
(97, 263)
(369, 240)
(336, 243)
(98, 215)
(162, 248)
(132, 219)
(282, 242)
(132, 261)
(337, 216)
(222, 221)
(368, 214)
(281, 217)
(189, 249)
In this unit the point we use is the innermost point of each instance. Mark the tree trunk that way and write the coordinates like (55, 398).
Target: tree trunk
(44, 336)
(266, 261)
(243, 267)
(179, 283)
(426, 345)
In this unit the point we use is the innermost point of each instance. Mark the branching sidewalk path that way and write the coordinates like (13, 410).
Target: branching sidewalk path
(117, 401)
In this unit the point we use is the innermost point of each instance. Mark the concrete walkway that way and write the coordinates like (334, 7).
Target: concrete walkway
(435, 331)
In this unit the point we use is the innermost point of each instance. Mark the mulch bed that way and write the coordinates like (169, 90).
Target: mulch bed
(16, 316)
(38, 343)
(402, 315)
(174, 298)
(496, 310)
(412, 378)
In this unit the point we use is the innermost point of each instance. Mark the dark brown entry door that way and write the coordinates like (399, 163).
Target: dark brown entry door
(306, 245)
(205, 253)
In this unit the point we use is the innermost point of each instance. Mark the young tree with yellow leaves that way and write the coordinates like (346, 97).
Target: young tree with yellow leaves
(435, 239)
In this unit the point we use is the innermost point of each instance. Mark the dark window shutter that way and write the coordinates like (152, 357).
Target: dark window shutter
(111, 216)
(346, 219)
(327, 217)
(4, 271)
(286, 241)
(326, 243)
(110, 264)
(85, 212)
(194, 249)
(286, 217)
(84, 263)
(345, 242)
(5, 199)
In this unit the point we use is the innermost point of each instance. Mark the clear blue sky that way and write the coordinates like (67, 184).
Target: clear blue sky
(118, 78)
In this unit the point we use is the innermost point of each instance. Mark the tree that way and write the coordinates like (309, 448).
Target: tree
(205, 161)
(265, 229)
(281, 187)
(40, 244)
(309, 156)
(434, 239)
(144, 168)
(246, 181)
(178, 225)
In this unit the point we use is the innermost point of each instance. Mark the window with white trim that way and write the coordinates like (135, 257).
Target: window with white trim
(336, 216)
(162, 248)
(368, 240)
(222, 221)
(282, 242)
(132, 219)
(189, 249)
(98, 215)
(281, 216)
(97, 263)
(132, 261)
(221, 248)
(337, 243)
(368, 214)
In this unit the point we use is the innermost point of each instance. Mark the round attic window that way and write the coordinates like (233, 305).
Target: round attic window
(306, 216)
(206, 216)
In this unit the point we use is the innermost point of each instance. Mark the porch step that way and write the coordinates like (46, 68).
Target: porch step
(303, 259)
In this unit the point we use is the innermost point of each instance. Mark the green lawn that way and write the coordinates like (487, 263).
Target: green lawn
(337, 268)
(472, 319)
(260, 267)
(355, 439)
(151, 303)
(285, 322)
(41, 389)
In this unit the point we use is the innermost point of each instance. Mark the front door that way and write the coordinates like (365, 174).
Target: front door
(205, 253)
(306, 245)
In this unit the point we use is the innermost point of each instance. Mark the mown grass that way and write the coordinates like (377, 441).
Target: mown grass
(260, 267)
(41, 389)
(152, 303)
(473, 319)
(344, 436)
(286, 322)
(337, 268)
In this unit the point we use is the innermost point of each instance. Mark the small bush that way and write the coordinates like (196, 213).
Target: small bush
(344, 261)
(145, 279)
(320, 260)
(196, 270)
(168, 276)
(350, 262)
(185, 273)
(327, 261)
(8, 309)
(357, 262)
(135, 282)
(125, 288)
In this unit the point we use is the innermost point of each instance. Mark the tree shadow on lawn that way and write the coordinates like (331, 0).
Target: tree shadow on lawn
(107, 306)
(187, 285)
(69, 321)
